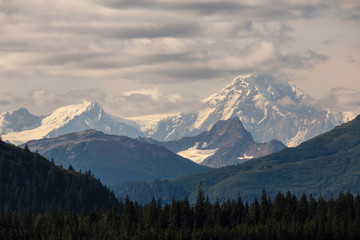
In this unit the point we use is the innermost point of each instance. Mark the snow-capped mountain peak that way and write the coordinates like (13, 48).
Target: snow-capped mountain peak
(259, 93)
(63, 115)
(260, 86)
(75, 118)
(269, 108)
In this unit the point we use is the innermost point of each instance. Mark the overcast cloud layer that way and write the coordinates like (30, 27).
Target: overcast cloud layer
(141, 57)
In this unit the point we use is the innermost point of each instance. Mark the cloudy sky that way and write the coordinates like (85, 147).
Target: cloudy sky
(140, 57)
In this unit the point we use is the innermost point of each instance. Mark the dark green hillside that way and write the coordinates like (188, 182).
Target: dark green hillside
(28, 180)
(326, 164)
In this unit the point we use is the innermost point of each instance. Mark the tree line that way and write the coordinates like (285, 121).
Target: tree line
(284, 217)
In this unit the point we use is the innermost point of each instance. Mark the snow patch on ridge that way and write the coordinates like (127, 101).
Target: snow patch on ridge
(245, 157)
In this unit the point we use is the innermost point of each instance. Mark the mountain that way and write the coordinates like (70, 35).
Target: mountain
(227, 143)
(114, 159)
(29, 181)
(74, 118)
(18, 121)
(268, 107)
(325, 165)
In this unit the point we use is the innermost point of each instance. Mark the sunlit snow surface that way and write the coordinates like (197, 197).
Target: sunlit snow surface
(298, 138)
(57, 119)
(203, 115)
(197, 155)
(245, 157)
(149, 123)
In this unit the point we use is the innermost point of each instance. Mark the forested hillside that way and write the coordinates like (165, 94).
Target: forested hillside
(28, 180)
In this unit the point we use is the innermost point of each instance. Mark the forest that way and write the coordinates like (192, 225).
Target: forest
(29, 180)
(284, 217)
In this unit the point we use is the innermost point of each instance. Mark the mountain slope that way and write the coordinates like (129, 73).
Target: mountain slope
(325, 164)
(114, 159)
(268, 108)
(27, 180)
(74, 118)
(18, 121)
(227, 143)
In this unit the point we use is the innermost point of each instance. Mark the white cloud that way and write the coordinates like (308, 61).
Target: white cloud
(286, 101)
(150, 101)
(342, 99)
(43, 101)
(46, 98)
(99, 44)
(90, 40)
(348, 4)
(239, 58)
(43, 98)
(6, 98)
(154, 94)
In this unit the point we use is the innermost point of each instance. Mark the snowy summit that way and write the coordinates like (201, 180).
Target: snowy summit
(268, 107)
(74, 118)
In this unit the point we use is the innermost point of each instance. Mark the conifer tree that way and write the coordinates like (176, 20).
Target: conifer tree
(200, 208)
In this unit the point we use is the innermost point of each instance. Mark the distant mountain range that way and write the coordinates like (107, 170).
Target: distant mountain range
(227, 143)
(114, 159)
(268, 107)
(325, 165)
(20, 126)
